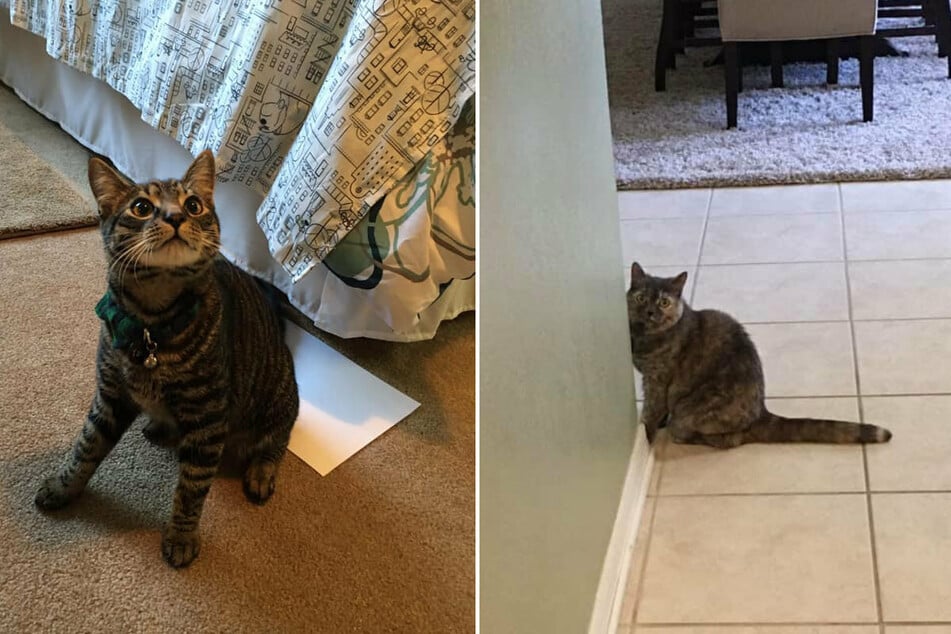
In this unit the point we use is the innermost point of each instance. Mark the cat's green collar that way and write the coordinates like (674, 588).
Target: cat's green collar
(128, 332)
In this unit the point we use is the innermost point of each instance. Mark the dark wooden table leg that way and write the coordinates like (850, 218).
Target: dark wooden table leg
(776, 63)
(867, 74)
(832, 61)
(731, 73)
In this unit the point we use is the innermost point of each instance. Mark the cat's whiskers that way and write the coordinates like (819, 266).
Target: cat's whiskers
(211, 244)
(126, 258)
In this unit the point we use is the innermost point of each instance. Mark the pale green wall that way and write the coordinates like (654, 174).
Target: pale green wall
(557, 400)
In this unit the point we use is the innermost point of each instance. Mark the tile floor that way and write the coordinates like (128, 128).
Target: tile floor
(846, 290)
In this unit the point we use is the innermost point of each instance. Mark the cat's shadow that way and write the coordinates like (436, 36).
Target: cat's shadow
(131, 491)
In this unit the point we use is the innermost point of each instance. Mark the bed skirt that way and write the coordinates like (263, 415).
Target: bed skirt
(106, 122)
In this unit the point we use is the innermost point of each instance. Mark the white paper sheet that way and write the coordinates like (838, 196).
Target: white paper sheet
(343, 407)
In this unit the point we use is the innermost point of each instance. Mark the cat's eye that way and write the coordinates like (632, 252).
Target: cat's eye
(664, 302)
(193, 206)
(640, 298)
(141, 208)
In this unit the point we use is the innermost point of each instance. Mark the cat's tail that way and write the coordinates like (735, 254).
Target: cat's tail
(781, 429)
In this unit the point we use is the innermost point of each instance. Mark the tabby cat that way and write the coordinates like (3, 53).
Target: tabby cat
(703, 377)
(187, 339)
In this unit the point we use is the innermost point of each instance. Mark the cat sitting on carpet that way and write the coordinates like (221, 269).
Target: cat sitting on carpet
(703, 377)
(187, 339)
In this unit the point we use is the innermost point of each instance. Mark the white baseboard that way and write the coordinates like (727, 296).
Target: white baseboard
(617, 560)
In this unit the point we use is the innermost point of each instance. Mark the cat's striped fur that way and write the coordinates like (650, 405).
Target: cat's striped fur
(226, 378)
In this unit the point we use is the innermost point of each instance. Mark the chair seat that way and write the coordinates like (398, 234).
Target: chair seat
(772, 20)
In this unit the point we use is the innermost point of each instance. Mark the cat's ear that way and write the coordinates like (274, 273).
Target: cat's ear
(677, 284)
(108, 186)
(637, 273)
(200, 176)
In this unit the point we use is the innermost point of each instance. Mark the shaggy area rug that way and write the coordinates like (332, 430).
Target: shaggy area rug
(807, 132)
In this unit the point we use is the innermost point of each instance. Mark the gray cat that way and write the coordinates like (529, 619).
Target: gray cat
(703, 377)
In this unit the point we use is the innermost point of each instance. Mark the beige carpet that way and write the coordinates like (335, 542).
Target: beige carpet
(35, 195)
(385, 543)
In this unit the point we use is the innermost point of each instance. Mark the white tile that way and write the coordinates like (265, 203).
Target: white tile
(811, 291)
(779, 468)
(918, 629)
(775, 199)
(667, 271)
(672, 242)
(763, 239)
(904, 357)
(907, 289)
(670, 203)
(913, 543)
(759, 559)
(896, 195)
(918, 457)
(898, 235)
(806, 359)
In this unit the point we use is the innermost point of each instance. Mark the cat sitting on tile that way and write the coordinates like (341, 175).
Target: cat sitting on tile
(704, 379)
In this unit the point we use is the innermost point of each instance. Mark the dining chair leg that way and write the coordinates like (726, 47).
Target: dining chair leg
(689, 19)
(731, 73)
(675, 37)
(776, 63)
(683, 14)
(660, 62)
(867, 74)
(941, 15)
(739, 69)
(832, 61)
(664, 47)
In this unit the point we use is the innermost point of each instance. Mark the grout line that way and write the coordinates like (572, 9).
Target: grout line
(794, 214)
(842, 321)
(783, 624)
(858, 388)
(871, 535)
(703, 237)
(789, 214)
(659, 456)
(739, 624)
(880, 395)
(815, 396)
(776, 494)
(653, 500)
(891, 319)
(788, 262)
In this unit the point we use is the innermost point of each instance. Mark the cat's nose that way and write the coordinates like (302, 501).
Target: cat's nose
(174, 218)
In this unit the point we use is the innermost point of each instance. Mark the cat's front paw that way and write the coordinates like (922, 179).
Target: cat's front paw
(52, 495)
(259, 481)
(179, 548)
